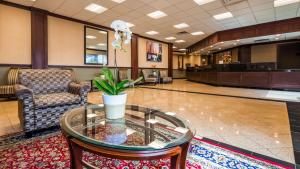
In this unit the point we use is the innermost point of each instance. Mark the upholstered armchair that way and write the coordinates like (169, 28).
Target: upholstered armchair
(149, 77)
(164, 77)
(45, 94)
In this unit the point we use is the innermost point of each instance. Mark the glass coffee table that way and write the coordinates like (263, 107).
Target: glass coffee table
(144, 134)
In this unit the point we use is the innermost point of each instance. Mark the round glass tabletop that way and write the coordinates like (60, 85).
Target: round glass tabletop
(141, 129)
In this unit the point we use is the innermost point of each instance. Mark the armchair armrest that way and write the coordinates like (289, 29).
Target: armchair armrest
(80, 88)
(23, 92)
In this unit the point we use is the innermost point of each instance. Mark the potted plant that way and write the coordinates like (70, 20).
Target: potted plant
(114, 97)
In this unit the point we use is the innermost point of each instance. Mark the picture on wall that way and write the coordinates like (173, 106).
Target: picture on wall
(154, 51)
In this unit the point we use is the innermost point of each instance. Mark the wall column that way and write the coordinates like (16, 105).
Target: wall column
(134, 57)
(39, 38)
(170, 60)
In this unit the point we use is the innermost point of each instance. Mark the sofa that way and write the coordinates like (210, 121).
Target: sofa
(7, 90)
(150, 76)
(45, 94)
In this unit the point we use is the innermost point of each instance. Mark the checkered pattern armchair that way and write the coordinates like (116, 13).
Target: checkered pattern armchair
(44, 95)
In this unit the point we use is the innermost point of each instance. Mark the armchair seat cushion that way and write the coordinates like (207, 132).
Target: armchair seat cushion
(55, 99)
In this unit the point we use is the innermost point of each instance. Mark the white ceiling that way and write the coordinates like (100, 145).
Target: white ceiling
(247, 12)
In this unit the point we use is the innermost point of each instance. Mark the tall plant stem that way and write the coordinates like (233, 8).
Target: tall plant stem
(116, 66)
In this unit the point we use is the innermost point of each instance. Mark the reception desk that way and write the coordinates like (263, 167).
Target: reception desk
(252, 79)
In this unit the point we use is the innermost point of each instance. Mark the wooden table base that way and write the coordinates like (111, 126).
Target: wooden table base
(176, 154)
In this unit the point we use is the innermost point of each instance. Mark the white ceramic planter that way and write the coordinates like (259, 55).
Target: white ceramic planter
(114, 105)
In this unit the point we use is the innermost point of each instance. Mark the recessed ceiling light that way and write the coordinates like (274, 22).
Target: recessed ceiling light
(223, 16)
(157, 14)
(276, 38)
(234, 44)
(119, 1)
(182, 49)
(152, 33)
(170, 38)
(181, 26)
(95, 8)
(211, 46)
(220, 48)
(198, 33)
(103, 32)
(101, 44)
(278, 3)
(91, 37)
(129, 24)
(278, 35)
(202, 2)
(180, 41)
(174, 47)
(222, 42)
(238, 40)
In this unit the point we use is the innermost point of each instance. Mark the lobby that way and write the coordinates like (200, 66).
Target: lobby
(209, 84)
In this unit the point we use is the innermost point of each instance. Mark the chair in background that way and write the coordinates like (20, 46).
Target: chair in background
(150, 77)
(7, 91)
(45, 94)
(164, 77)
(123, 75)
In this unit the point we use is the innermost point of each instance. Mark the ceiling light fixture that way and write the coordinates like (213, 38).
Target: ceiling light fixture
(197, 33)
(157, 14)
(234, 44)
(180, 41)
(276, 38)
(278, 35)
(222, 16)
(152, 33)
(129, 24)
(278, 3)
(202, 2)
(95, 8)
(119, 1)
(91, 37)
(170, 38)
(182, 49)
(181, 26)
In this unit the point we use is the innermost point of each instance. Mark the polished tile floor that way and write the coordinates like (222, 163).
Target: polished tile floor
(184, 85)
(256, 125)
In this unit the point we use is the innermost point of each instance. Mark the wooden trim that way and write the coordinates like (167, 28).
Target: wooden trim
(11, 4)
(15, 65)
(152, 68)
(170, 60)
(84, 66)
(134, 57)
(39, 39)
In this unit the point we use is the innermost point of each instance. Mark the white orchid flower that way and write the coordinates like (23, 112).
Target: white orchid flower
(122, 34)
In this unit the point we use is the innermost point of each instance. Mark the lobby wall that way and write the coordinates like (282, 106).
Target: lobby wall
(143, 63)
(15, 36)
(66, 45)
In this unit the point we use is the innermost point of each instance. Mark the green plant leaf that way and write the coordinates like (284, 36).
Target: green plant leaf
(95, 82)
(105, 86)
(108, 75)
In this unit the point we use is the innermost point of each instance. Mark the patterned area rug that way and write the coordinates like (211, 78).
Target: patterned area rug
(51, 152)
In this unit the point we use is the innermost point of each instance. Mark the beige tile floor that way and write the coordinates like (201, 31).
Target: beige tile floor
(256, 125)
(184, 85)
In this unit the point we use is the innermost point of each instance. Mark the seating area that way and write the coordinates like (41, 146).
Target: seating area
(149, 84)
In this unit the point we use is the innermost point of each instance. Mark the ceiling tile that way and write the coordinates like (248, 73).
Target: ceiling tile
(48, 5)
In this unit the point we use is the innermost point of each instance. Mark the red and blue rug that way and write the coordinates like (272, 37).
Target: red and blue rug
(51, 152)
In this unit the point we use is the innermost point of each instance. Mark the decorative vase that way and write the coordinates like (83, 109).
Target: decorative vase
(114, 105)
